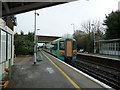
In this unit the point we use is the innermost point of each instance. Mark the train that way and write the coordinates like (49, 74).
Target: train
(64, 48)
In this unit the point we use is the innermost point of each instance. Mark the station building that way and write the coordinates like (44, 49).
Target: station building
(6, 48)
(108, 47)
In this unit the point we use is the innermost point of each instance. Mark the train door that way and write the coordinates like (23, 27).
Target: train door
(68, 48)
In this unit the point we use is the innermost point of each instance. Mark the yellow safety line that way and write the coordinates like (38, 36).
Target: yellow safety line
(72, 82)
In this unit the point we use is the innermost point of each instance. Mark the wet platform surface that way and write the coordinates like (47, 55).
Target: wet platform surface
(45, 75)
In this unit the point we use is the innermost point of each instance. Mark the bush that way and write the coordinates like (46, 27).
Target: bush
(24, 44)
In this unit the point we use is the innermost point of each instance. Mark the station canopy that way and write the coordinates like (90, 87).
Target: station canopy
(12, 7)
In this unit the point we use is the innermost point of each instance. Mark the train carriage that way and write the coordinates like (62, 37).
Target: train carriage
(64, 48)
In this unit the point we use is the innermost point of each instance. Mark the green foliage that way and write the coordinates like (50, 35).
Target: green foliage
(84, 41)
(112, 22)
(24, 44)
(85, 36)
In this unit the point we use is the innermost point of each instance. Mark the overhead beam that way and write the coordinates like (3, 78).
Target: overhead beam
(25, 8)
(6, 7)
(12, 8)
(46, 39)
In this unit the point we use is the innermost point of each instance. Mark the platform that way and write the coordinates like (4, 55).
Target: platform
(102, 56)
(49, 73)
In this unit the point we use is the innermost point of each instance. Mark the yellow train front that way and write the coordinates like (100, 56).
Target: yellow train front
(64, 48)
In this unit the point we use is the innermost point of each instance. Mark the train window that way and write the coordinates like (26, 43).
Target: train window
(110, 47)
(54, 46)
(74, 45)
(117, 46)
(62, 45)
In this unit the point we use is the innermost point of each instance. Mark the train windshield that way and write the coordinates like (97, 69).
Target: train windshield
(74, 45)
(62, 45)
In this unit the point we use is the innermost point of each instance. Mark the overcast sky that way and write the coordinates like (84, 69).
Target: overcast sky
(57, 20)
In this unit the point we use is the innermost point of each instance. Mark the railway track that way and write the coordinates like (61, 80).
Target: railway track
(106, 75)
(114, 69)
(101, 61)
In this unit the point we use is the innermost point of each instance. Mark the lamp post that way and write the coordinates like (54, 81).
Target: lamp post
(35, 37)
(73, 27)
(94, 39)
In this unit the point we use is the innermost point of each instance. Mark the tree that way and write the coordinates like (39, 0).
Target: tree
(91, 27)
(85, 36)
(30, 36)
(80, 38)
(22, 33)
(112, 22)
